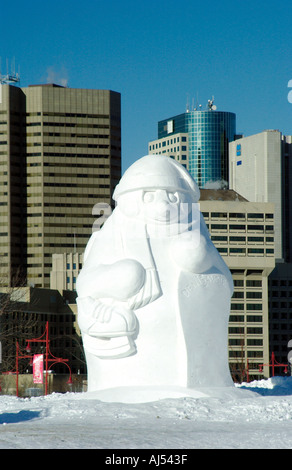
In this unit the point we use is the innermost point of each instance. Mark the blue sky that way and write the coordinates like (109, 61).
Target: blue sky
(159, 54)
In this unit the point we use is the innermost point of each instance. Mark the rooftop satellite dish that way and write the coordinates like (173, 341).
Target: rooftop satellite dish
(210, 105)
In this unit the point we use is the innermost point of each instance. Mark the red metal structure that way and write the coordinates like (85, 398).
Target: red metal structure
(49, 357)
(274, 364)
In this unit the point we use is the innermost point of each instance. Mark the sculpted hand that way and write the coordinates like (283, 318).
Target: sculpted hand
(105, 320)
(192, 252)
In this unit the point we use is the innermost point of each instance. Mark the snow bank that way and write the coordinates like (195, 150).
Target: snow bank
(272, 386)
(256, 415)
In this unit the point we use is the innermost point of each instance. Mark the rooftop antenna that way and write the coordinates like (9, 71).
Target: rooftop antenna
(11, 78)
(193, 104)
(197, 103)
(211, 106)
(188, 104)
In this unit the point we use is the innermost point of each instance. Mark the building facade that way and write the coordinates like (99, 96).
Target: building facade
(243, 233)
(200, 141)
(60, 154)
(65, 269)
(261, 170)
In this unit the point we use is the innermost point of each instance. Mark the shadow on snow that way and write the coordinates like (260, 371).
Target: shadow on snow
(20, 416)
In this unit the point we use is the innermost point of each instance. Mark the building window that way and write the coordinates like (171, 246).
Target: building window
(236, 318)
(218, 227)
(254, 295)
(254, 283)
(254, 307)
(236, 330)
(254, 318)
(221, 215)
(237, 306)
(237, 250)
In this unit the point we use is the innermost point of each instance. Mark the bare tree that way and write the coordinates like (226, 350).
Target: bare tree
(16, 322)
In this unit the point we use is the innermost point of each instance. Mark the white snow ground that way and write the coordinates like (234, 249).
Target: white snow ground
(254, 416)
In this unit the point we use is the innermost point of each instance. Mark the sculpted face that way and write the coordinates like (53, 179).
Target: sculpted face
(161, 206)
(165, 206)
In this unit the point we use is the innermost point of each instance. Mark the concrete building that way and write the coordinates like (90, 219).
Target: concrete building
(200, 141)
(65, 269)
(261, 170)
(60, 154)
(243, 233)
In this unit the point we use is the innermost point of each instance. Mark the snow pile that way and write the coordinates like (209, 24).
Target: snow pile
(271, 386)
(258, 416)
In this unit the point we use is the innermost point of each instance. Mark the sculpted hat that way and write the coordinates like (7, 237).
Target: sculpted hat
(157, 172)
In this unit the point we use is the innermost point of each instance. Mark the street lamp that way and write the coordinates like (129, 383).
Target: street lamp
(49, 357)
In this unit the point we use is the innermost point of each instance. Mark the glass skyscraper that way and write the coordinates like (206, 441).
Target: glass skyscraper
(208, 134)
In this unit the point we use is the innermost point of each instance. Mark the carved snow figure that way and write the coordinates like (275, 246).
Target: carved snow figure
(154, 293)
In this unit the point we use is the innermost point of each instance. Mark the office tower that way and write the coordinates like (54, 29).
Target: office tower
(261, 170)
(200, 141)
(60, 154)
(12, 183)
(243, 233)
(256, 172)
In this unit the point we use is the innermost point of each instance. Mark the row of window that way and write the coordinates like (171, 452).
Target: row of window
(281, 282)
(282, 293)
(281, 326)
(67, 135)
(241, 306)
(240, 330)
(75, 124)
(248, 282)
(69, 145)
(243, 251)
(224, 238)
(182, 148)
(238, 215)
(248, 318)
(281, 305)
(167, 142)
(71, 155)
(74, 266)
(239, 294)
(258, 354)
(242, 227)
(78, 115)
(247, 341)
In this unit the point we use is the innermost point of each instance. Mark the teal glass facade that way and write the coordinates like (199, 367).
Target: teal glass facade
(209, 135)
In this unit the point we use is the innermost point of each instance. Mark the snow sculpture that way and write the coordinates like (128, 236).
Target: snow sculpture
(154, 293)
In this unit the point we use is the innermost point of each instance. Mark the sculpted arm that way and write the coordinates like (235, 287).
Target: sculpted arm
(116, 278)
(120, 280)
(195, 252)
